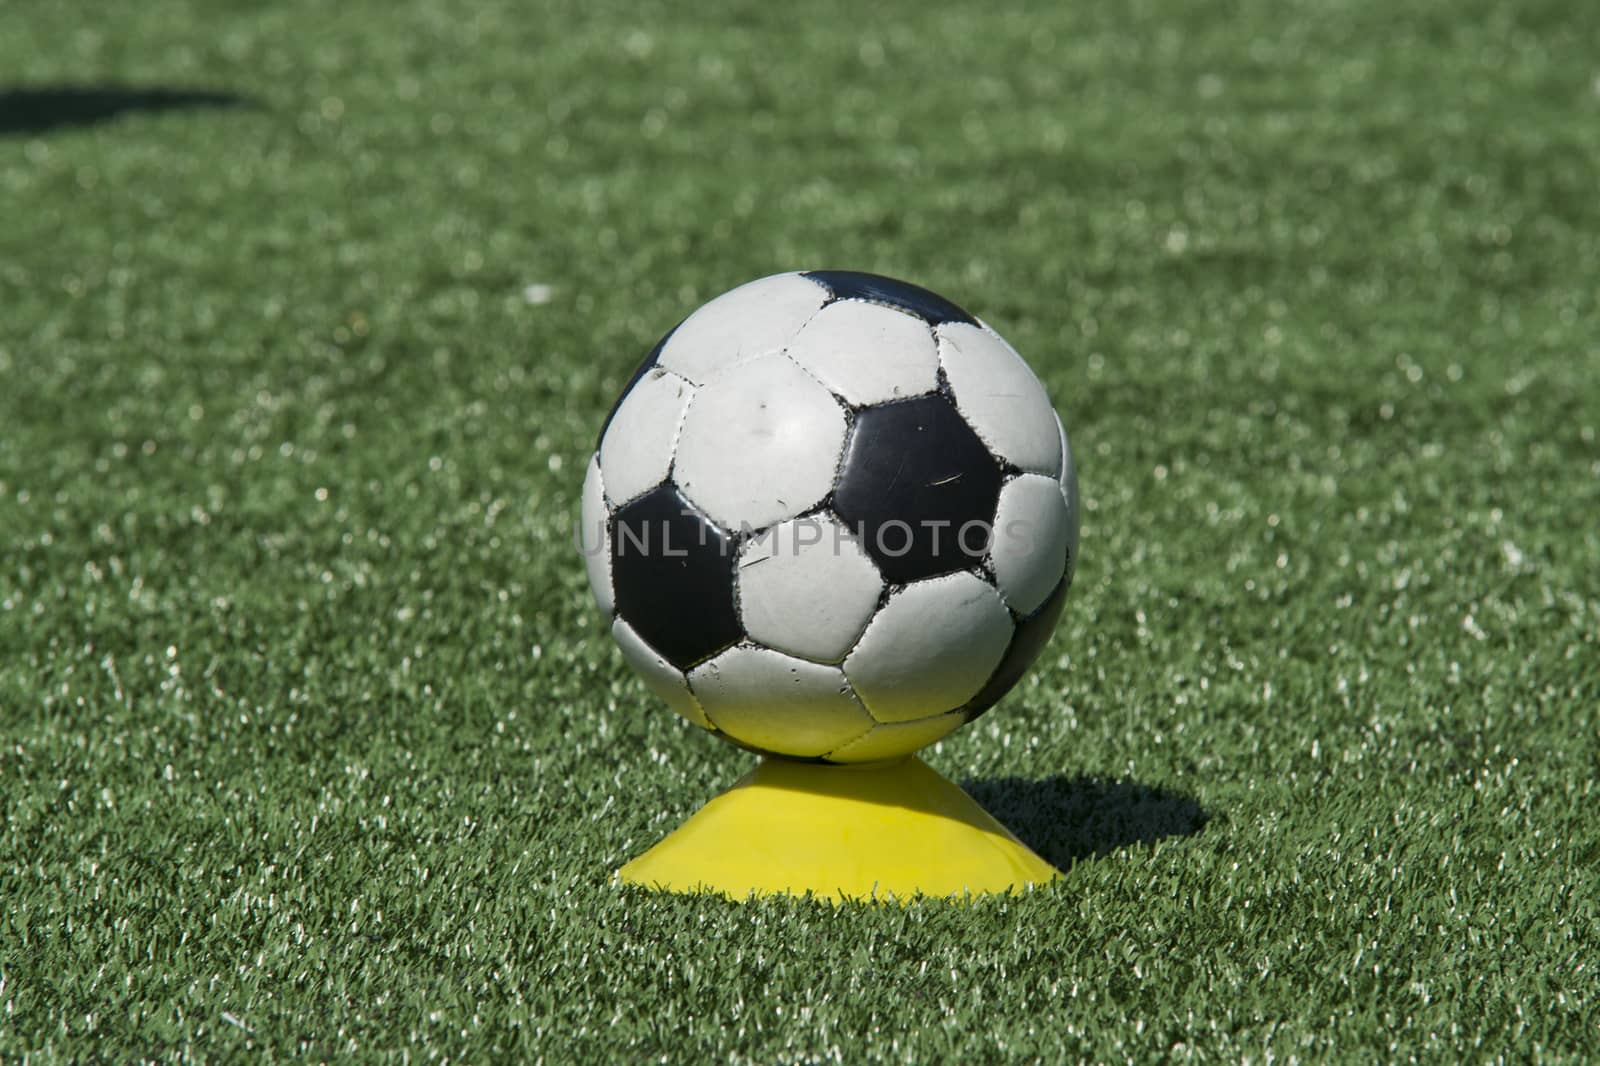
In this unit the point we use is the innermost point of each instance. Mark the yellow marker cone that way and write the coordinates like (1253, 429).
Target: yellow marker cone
(877, 832)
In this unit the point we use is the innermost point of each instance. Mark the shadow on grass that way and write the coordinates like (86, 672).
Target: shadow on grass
(1065, 819)
(41, 108)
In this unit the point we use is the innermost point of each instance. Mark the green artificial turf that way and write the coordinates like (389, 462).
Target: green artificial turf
(311, 743)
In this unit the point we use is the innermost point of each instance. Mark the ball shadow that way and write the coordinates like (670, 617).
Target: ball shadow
(42, 108)
(1065, 819)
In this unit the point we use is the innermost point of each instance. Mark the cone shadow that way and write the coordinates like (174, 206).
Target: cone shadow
(1065, 819)
(28, 110)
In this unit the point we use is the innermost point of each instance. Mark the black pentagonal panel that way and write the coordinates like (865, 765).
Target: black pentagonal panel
(919, 488)
(1033, 633)
(672, 570)
(912, 299)
(638, 376)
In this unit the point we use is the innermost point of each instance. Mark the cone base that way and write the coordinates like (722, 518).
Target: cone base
(889, 831)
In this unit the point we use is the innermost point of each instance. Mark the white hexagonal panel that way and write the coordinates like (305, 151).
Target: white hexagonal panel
(594, 538)
(660, 676)
(930, 648)
(755, 319)
(868, 353)
(1000, 397)
(760, 444)
(779, 703)
(1029, 548)
(807, 587)
(887, 741)
(637, 450)
(1069, 493)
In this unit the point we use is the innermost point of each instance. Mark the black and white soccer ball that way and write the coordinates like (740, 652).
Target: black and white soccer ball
(833, 516)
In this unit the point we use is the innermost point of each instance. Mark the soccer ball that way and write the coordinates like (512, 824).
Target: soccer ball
(832, 517)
